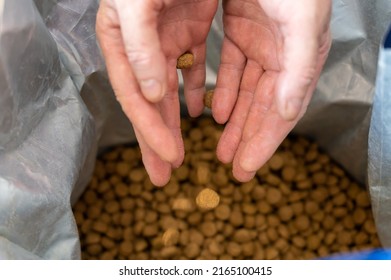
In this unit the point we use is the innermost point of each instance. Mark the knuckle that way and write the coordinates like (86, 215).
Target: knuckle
(308, 75)
(138, 58)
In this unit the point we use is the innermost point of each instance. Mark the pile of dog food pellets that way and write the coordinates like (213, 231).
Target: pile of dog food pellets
(300, 205)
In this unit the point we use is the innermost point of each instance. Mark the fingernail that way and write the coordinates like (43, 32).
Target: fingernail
(247, 163)
(151, 89)
(292, 108)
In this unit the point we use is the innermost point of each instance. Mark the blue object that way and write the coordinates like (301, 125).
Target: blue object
(387, 41)
(376, 254)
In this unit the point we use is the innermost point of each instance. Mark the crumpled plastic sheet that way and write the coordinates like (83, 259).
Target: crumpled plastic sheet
(58, 111)
(379, 152)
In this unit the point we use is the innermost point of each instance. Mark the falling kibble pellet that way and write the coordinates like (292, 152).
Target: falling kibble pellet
(185, 61)
(207, 199)
(300, 205)
(208, 97)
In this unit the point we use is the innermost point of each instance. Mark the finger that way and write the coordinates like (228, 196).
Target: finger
(305, 47)
(256, 123)
(194, 82)
(159, 171)
(232, 134)
(228, 80)
(146, 118)
(144, 115)
(169, 108)
(237, 171)
(138, 23)
(265, 129)
(259, 149)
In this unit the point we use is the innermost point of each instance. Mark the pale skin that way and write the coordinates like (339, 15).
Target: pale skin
(272, 56)
(141, 41)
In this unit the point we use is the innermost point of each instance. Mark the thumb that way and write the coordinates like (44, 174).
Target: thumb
(138, 24)
(299, 71)
(306, 42)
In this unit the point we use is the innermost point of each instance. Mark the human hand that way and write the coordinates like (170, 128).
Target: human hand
(141, 41)
(272, 55)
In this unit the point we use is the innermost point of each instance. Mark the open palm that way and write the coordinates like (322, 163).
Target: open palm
(272, 56)
(141, 41)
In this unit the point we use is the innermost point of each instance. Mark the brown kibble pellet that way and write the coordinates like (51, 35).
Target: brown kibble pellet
(344, 238)
(339, 199)
(150, 230)
(121, 190)
(94, 212)
(140, 245)
(299, 241)
(362, 199)
(271, 253)
(93, 238)
(276, 162)
(313, 242)
(192, 251)
(90, 197)
(248, 249)
(319, 178)
(107, 243)
(185, 61)
(125, 248)
(249, 209)
(370, 227)
(207, 199)
(170, 237)
(79, 218)
(359, 216)
(311, 207)
(249, 221)
(288, 173)
(234, 249)
(208, 97)
(112, 207)
(181, 173)
(298, 208)
(113, 233)
(258, 192)
(183, 204)
(222, 212)
(242, 236)
(172, 188)
(361, 238)
(220, 179)
(107, 256)
(99, 226)
(137, 175)
(123, 169)
(273, 195)
(208, 229)
(236, 218)
(264, 208)
(302, 223)
(94, 249)
(272, 234)
(169, 252)
(202, 174)
(319, 195)
(196, 237)
(215, 248)
(272, 179)
(103, 186)
(285, 213)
